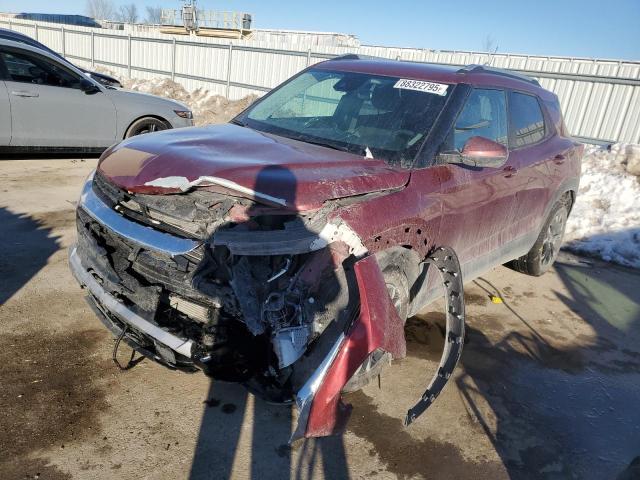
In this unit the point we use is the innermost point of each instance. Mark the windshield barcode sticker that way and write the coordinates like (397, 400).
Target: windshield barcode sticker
(420, 86)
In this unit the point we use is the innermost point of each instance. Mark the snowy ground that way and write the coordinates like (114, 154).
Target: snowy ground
(605, 222)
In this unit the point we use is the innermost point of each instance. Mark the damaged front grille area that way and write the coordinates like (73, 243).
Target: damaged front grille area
(191, 215)
(251, 318)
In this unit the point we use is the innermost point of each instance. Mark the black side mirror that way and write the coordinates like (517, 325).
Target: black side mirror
(481, 152)
(88, 87)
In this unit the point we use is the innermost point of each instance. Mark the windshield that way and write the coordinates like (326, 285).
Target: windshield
(379, 117)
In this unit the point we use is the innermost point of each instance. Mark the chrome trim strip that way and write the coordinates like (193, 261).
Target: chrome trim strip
(132, 231)
(304, 398)
(183, 347)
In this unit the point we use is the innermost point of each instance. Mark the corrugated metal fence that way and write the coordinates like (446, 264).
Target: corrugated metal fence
(600, 98)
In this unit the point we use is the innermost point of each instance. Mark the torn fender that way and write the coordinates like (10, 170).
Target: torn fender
(377, 326)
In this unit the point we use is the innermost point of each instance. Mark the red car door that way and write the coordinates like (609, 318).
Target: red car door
(533, 151)
(478, 203)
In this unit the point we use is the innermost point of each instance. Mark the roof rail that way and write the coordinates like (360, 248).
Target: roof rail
(497, 71)
(357, 56)
(348, 56)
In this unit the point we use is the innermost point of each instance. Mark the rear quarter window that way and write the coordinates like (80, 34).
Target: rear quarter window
(527, 120)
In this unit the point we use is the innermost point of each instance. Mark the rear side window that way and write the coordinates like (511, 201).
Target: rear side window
(527, 120)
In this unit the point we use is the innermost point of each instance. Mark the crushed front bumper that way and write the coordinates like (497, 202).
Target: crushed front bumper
(377, 326)
(105, 301)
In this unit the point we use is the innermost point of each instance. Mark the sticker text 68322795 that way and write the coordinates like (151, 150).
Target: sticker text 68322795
(421, 86)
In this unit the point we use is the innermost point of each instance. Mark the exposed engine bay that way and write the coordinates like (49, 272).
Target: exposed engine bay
(290, 304)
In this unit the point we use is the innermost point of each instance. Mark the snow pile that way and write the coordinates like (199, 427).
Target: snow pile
(605, 221)
(207, 107)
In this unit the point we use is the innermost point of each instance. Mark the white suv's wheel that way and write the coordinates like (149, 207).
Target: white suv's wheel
(146, 125)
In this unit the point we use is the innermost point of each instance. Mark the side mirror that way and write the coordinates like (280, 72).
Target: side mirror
(482, 152)
(88, 87)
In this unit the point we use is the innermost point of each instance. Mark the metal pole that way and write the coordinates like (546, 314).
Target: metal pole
(35, 34)
(173, 60)
(93, 55)
(64, 47)
(308, 57)
(229, 70)
(129, 57)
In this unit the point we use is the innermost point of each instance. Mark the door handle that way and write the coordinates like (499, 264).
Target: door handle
(559, 159)
(18, 93)
(509, 171)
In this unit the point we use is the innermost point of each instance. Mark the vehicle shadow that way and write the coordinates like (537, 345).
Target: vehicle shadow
(554, 401)
(25, 247)
(243, 436)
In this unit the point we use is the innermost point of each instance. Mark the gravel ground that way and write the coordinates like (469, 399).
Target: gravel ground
(548, 386)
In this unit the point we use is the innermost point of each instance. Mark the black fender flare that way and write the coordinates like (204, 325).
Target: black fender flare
(445, 260)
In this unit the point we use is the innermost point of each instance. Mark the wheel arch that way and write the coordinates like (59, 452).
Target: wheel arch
(141, 117)
(568, 187)
(402, 256)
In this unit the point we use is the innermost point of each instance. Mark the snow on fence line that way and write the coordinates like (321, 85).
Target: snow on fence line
(600, 98)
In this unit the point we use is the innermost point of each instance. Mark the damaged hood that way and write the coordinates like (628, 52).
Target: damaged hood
(247, 163)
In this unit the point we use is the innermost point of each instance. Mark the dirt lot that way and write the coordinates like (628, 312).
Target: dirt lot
(548, 386)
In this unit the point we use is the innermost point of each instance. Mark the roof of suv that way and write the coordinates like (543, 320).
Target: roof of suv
(473, 74)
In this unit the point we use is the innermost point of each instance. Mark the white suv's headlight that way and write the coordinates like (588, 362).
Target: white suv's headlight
(188, 114)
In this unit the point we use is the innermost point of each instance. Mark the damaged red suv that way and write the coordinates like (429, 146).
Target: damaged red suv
(286, 249)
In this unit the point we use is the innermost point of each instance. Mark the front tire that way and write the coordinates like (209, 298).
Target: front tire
(146, 125)
(545, 251)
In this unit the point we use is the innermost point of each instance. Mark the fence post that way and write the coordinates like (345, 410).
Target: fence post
(129, 56)
(35, 34)
(173, 60)
(229, 70)
(64, 47)
(308, 57)
(93, 55)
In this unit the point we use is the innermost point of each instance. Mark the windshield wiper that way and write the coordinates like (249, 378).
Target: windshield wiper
(358, 151)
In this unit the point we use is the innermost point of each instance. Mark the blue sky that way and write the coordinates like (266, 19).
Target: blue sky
(584, 28)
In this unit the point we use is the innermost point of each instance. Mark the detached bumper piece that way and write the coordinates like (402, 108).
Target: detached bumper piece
(447, 264)
(322, 411)
(377, 327)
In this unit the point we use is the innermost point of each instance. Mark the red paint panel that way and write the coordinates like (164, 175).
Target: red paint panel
(377, 326)
(410, 216)
(303, 174)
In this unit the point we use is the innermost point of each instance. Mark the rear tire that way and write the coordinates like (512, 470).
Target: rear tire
(545, 251)
(398, 288)
(146, 125)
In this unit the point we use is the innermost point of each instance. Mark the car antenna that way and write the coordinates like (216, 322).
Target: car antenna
(490, 56)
